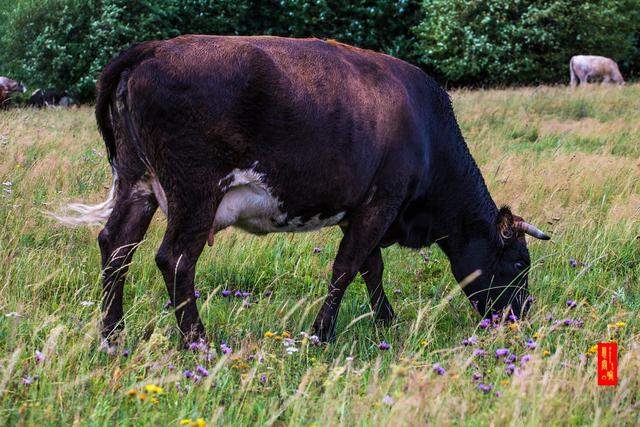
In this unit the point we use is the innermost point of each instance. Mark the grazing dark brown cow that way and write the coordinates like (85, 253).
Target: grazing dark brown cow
(271, 135)
(8, 87)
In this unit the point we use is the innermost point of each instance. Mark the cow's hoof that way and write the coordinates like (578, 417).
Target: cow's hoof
(385, 315)
(324, 334)
(107, 347)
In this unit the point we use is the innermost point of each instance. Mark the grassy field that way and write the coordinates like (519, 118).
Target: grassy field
(566, 161)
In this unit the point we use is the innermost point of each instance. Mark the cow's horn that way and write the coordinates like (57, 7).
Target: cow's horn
(530, 230)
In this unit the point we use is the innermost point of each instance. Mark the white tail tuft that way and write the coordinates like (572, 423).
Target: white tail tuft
(89, 214)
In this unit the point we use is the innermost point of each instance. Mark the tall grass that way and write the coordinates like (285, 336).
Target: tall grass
(566, 161)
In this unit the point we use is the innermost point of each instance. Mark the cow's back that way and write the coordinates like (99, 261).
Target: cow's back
(313, 114)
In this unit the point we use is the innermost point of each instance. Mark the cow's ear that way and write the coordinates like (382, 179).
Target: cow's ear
(504, 224)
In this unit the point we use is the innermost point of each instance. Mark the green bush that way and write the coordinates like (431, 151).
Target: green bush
(523, 41)
(66, 43)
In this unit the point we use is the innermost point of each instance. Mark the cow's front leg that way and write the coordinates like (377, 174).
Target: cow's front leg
(186, 235)
(366, 229)
(371, 272)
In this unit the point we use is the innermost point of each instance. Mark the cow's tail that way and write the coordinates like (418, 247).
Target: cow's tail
(572, 74)
(82, 214)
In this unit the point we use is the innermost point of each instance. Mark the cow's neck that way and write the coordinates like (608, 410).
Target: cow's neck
(465, 209)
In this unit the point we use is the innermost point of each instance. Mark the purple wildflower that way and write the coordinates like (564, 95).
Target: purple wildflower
(567, 322)
(384, 345)
(237, 294)
(511, 369)
(388, 400)
(470, 341)
(225, 348)
(438, 369)
(498, 394)
(39, 356)
(478, 352)
(502, 352)
(187, 373)
(263, 379)
(510, 358)
(525, 359)
(171, 366)
(477, 376)
(571, 303)
(167, 304)
(202, 371)
(315, 340)
(225, 293)
(578, 323)
(513, 317)
(531, 344)
(27, 380)
(125, 352)
(495, 318)
(484, 323)
(573, 263)
(196, 294)
(246, 294)
(199, 346)
(316, 250)
(486, 388)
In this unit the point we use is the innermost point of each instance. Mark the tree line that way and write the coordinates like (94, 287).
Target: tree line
(65, 43)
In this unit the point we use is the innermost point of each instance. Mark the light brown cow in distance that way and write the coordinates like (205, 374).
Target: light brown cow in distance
(584, 67)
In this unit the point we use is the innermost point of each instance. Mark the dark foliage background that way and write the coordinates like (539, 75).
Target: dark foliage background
(65, 43)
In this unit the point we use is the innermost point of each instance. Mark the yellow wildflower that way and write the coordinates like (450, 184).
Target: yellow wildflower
(546, 353)
(131, 392)
(142, 396)
(593, 349)
(513, 326)
(154, 389)
(186, 421)
(504, 382)
(200, 423)
(268, 334)
(424, 343)
(153, 400)
(285, 334)
(277, 338)
(536, 335)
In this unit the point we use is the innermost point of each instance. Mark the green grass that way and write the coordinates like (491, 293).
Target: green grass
(566, 161)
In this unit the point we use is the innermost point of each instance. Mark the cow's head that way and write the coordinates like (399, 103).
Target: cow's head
(502, 259)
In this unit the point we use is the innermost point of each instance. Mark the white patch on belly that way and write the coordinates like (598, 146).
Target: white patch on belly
(248, 204)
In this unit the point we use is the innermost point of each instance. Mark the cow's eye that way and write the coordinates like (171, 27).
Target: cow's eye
(519, 265)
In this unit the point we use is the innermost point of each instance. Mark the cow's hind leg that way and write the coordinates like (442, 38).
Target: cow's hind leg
(363, 234)
(118, 241)
(371, 271)
(187, 231)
